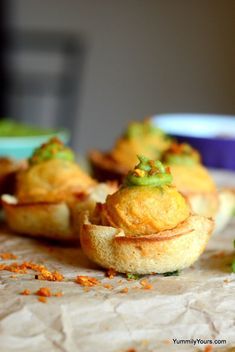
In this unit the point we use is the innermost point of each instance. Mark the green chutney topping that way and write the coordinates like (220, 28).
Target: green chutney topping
(53, 149)
(141, 129)
(149, 173)
(181, 154)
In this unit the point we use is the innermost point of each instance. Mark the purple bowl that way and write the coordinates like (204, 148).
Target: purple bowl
(212, 135)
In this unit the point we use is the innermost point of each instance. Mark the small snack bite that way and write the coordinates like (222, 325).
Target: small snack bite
(146, 226)
(8, 170)
(139, 138)
(194, 181)
(47, 193)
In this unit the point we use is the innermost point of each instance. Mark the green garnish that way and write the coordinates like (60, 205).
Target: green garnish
(172, 273)
(11, 128)
(148, 173)
(132, 276)
(181, 154)
(141, 129)
(53, 149)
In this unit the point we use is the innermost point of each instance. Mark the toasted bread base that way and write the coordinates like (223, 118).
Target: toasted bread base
(167, 251)
(105, 169)
(58, 220)
(218, 205)
(48, 220)
(226, 209)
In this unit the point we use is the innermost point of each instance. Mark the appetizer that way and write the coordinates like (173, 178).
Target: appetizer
(8, 169)
(139, 138)
(194, 181)
(48, 193)
(146, 226)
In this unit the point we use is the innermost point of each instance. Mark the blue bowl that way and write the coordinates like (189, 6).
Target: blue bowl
(23, 147)
(212, 135)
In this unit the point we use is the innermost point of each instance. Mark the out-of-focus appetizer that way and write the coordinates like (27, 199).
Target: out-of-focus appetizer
(48, 192)
(8, 170)
(194, 181)
(139, 138)
(146, 226)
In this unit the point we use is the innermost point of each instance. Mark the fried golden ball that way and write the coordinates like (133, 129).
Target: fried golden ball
(145, 210)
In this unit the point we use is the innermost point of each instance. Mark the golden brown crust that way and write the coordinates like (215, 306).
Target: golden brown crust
(8, 171)
(105, 168)
(57, 220)
(157, 253)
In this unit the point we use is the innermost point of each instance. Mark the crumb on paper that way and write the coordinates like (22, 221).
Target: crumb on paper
(8, 256)
(58, 294)
(25, 292)
(108, 286)
(208, 348)
(226, 281)
(49, 276)
(110, 273)
(146, 285)
(44, 292)
(87, 281)
(124, 290)
(42, 299)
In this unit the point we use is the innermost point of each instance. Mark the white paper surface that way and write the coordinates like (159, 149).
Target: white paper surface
(197, 304)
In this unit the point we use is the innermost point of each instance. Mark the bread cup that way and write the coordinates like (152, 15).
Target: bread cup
(194, 181)
(139, 138)
(8, 170)
(146, 226)
(48, 194)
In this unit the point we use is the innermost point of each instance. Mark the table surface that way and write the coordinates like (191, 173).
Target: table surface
(197, 304)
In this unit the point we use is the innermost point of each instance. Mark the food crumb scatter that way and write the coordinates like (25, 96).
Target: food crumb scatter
(8, 256)
(124, 290)
(42, 299)
(87, 281)
(58, 294)
(49, 276)
(26, 292)
(44, 292)
(146, 285)
(111, 273)
(108, 286)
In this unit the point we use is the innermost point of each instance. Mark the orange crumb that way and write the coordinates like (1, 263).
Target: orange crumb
(26, 292)
(111, 273)
(146, 285)
(87, 281)
(86, 289)
(208, 348)
(124, 290)
(120, 281)
(44, 291)
(42, 299)
(226, 281)
(49, 276)
(7, 256)
(58, 294)
(109, 287)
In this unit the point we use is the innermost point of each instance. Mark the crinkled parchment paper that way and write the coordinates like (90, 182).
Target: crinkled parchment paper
(197, 304)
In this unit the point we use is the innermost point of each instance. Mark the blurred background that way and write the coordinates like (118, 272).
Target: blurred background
(93, 65)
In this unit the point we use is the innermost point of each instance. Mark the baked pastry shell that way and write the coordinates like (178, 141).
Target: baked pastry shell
(163, 252)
